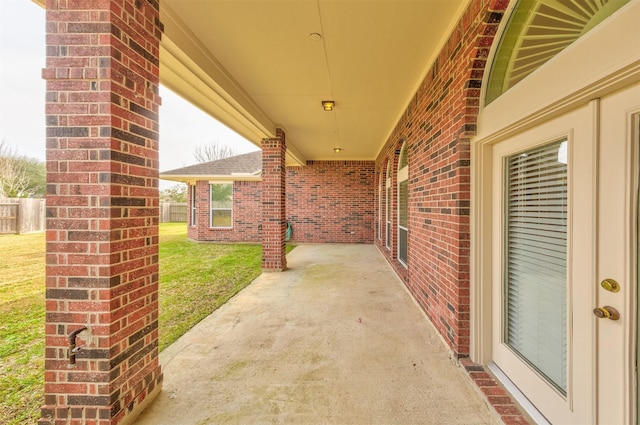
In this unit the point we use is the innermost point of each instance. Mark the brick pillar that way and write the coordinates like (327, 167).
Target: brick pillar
(203, 204)
(102, 209)
(274, 215)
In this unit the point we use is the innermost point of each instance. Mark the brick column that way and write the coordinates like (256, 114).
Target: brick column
(203, 205)
(102, 209)
(274, 216)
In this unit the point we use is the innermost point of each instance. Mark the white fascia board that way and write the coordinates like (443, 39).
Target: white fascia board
(190, 178)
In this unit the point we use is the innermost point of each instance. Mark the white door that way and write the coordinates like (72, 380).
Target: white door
(617, 254)
(564, 203)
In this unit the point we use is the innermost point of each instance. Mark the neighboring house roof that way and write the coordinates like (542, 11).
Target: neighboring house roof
(240, 167)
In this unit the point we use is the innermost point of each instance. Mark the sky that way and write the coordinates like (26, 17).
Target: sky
(183, 127)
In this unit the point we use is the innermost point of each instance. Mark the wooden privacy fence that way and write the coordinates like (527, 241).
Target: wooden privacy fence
(173, 212)
(27, 215)
(22, 215)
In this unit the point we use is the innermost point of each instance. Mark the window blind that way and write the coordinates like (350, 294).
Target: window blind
(403, 195)
(535, 273)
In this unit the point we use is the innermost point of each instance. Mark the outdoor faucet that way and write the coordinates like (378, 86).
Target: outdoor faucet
(72, 344)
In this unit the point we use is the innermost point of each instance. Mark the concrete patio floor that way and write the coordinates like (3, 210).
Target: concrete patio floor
(336, 339)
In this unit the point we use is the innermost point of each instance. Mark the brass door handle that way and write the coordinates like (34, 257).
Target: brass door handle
(606, 312)
(610, 285)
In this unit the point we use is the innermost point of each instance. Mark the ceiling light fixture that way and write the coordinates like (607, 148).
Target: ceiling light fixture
(337, 150)
(328, 105)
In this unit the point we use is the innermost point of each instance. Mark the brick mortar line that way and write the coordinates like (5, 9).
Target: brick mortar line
(494, 394)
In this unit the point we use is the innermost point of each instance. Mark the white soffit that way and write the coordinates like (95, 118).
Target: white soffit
(255, 65)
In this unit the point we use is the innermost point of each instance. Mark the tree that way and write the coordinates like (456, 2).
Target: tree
(213, 151)
(222, 194)
(37, 172)
(20, 177)
(175, 193)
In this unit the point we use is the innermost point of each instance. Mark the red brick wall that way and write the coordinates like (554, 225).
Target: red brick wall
(331, 202)
(274, 203)
(247, 214)
(326, 202)
(246, 221)
(437, 125)
(102, 208)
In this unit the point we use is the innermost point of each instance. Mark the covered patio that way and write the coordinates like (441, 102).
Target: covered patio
(420, 103)
(334, 339)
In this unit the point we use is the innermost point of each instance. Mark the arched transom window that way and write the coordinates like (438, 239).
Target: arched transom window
(538, 30)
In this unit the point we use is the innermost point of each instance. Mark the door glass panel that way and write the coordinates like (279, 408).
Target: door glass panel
(535, 275)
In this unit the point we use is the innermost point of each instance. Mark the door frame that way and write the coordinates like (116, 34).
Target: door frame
(620, 116)
(554, 89)
(578, 128)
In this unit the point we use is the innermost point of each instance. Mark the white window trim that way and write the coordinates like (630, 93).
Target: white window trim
(219, 209)
(193, 212)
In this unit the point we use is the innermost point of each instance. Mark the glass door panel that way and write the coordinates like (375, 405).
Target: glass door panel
(535, 272)
(543, 260)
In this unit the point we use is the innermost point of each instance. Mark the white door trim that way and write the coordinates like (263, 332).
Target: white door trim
(618, 252)
(579, 128)
(603, 61)
(613, 62)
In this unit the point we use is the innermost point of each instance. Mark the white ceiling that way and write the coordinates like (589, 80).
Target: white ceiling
(253, 65)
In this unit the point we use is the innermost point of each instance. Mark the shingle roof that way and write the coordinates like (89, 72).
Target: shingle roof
(246, 164)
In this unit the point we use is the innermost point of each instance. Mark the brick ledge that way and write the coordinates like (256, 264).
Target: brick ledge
(495, 395)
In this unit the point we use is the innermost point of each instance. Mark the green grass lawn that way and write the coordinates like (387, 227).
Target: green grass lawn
(195, 279)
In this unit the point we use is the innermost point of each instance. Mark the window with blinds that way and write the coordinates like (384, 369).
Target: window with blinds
(403, 195)
(380, 185)
(403, 204)
(388, 205)
(535, 275)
